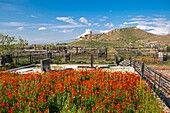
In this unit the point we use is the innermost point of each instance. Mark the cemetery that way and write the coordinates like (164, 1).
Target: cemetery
(88, 56)
(90, 59)
(79, 65)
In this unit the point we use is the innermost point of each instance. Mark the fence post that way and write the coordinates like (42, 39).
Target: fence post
(98, 52)
(17, 59)
(106, 53)
(76, 50)
(30, 58)
(67, 57)
(49, 55)
(130, 58)
(92, 60)
(142, 69)
(159, 82)
(134, 66)
(155, 82)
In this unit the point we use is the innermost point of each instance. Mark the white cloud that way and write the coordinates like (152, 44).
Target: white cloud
(20, 28)
(126, 23)
(144, 27)
(103, 31)
(54, 30)
(84, 20)
(109, 25)
(139, 18)
(159, 26)
(159, 19)
(159, 31)
(96, 24)
(66, 26)
(14, 24)
(104, 18)
(7, 6)
(110, 11)
(67, 30)
(42, 28)
(66, 19)
(33, 16)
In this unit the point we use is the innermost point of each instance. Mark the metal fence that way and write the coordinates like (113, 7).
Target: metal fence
(159, 83)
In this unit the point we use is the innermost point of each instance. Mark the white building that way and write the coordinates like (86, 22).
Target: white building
(86, 34)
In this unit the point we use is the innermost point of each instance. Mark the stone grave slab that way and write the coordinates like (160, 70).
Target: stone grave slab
(45, 64)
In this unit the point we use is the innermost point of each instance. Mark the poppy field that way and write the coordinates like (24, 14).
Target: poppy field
(76, 91)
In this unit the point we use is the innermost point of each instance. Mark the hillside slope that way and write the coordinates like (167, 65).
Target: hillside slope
(123, 37)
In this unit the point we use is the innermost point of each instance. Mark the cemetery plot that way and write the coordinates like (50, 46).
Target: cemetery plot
(45, 64)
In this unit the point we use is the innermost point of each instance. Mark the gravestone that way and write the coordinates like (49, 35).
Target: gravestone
(65, 50)
(6, 59)
(137, 53)
(116, 59)
(49, 54)
(160, 56)
(45, 64)
(67, 57)
(9, 58)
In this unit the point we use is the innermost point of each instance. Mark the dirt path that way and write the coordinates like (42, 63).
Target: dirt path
(165, 70)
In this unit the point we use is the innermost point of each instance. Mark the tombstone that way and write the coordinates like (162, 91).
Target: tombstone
(65, 50)
(137, 53)
(67, 57)
(45, 64)
(116, 59)
(49, 55)
(9, 58)
(6, 59)
(160, 56)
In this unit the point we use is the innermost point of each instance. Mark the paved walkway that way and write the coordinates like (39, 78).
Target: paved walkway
(74, 66)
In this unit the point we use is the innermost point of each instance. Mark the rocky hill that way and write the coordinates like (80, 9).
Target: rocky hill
(123, 37)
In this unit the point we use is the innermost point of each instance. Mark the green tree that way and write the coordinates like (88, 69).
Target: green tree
(9, 43)
(168, 48)
(21, 43)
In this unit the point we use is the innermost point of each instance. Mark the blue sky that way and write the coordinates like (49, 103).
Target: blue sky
(54, 21)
